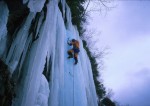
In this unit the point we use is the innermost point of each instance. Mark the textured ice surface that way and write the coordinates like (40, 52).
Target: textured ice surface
(35, 5)
(19, 44)
(43, 92)
(3, 19)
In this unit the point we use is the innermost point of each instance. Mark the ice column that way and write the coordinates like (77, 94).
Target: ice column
(43, 92)
(57, 55)
(36, 5)
(34, 62)
(19, 43)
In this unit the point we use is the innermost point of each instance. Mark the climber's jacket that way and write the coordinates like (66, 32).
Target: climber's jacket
(75, 44)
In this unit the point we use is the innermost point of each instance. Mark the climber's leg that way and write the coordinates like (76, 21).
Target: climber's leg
(76, 58)
(70, 53)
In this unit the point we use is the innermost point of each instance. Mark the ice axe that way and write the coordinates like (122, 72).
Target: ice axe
(68, 41)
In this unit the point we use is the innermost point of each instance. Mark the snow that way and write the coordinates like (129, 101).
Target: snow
(66, 84)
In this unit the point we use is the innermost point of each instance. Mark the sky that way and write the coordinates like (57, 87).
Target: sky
(125, 30)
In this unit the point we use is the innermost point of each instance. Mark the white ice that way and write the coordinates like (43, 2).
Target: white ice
(19, 44)
(43, 92)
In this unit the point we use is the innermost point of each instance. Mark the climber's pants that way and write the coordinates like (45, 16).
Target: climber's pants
(75, 51)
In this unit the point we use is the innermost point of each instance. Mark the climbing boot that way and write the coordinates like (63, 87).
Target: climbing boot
(70, 55)
(76, 60)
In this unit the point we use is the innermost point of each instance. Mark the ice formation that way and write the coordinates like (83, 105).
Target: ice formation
(36, 5)
(40, 46)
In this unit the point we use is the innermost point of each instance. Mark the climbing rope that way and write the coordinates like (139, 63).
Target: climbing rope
(73, 87)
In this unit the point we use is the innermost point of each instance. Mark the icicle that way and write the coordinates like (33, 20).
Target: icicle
(63, 3)
(3, 19)
(29, 41)
(25, 1)
(18, 45)
(3, 29)
(57, 74)
(36, 5)
(35, 59)
(68, 17)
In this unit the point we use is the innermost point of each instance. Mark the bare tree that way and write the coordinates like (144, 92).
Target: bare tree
(110, 93)
(98, 6)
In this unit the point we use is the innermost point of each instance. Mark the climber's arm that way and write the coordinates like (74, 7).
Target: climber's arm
(69, 43)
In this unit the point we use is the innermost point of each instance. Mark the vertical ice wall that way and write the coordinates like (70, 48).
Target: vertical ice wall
(43, 92)
(44, 48)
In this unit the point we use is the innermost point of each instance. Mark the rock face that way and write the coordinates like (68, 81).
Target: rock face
(6, 86)
(34, 48)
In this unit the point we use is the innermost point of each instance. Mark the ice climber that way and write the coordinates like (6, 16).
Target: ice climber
(74, 51)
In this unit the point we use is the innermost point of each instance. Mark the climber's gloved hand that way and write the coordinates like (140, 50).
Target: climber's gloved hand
(69, 42)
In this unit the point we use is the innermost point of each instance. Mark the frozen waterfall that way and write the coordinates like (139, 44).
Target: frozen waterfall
(40, 47)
